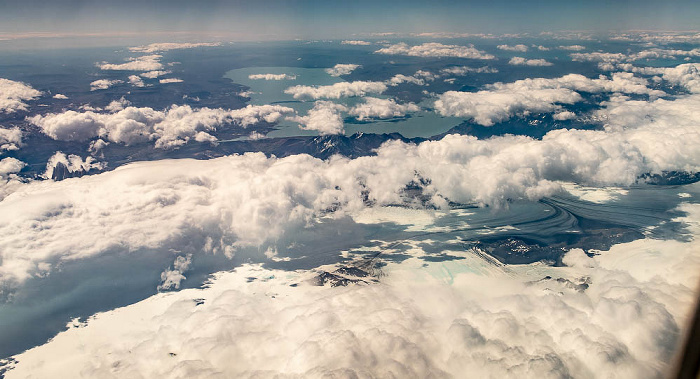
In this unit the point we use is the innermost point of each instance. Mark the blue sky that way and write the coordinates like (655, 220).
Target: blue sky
(317, 19)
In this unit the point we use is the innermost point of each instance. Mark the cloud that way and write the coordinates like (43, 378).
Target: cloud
(685, 75)
(73, 163)
(251, 199)
(464, 70)
(171, 278)
(10, 166)
(10, 139)
(608, 313)
(272, 77)
(104, 84)
(489, 107)
(351, 42)
(598, 57)
(502, 101)
(324, 117)
(170, 80)
(342, 69)
(170, 128)
(382, 108)
(142, 63)
(166, 46)
(521, 48)
(14, 94)
(136, 81)
(154, 74)
(400, 79)
(60, 96)
(608, 61)
(520, 61)
(117, 105)
(337, 90)
(434, 49)
(573, 47)
(564, 115)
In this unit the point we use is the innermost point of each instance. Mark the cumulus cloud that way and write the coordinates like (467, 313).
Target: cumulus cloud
(489, 107)
(60, 96)
(609, 60)
(154, 74)
(598, 57)
(400, 79)
(172, 277)
(10, 139)
(564, 115)
(381, 108)
(136, 81)
(104, 84)
(117, 105)
(342, 69)
(573, 47)
(355, 42)
(434, 49)
(337, 90)
(464, 70)
(272, 77)
(520, 61)
(246, 200)
(14, 94)
(170, 128)
(73, 163)
(10, 181)
(501, 101)
(324, 117)
(142, 63)
(10, 166)
(170, 80)
(166, 46)
(521, 48)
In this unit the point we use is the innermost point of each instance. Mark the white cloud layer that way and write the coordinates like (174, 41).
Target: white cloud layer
(342, 69)
(434, 49)
(166, 46)
(170, 128)
(484, 320)
(14, 94)
(249, 199)
(337, 90)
